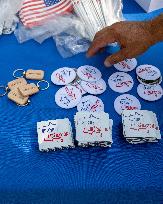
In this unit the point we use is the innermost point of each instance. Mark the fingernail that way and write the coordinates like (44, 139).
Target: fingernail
(107, 64)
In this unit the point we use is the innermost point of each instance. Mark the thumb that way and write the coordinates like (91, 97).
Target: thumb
(117, 57)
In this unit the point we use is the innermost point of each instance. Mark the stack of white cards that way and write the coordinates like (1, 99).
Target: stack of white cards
(55, 134)
(93, 129)
(140, 126)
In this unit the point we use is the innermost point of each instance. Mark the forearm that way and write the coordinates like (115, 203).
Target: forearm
(156, 28)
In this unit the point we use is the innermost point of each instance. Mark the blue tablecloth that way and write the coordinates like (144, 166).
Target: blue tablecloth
(122, 174)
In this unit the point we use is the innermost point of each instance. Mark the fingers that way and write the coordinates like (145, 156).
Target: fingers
(100, 41)
(117, 57)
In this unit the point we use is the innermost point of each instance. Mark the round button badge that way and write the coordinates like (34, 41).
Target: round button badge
(68, 97)
(126, 65)
(91, 104)
(150, 93)
(89, 73)
(148, 72)
(95, 88)
(63, 76)
(121, 82)
(126, 102)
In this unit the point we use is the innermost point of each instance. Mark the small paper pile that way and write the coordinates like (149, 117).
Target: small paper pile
(93, 129)
(140, 126)
(55, 134)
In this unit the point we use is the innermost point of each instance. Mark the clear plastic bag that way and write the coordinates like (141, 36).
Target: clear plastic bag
(74, 32)
(68, 32)
(8, 18)
(71, 43)
(96, 15)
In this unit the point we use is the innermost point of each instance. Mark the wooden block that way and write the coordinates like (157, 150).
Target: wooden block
(34, 74)
(28, 89)
(15, 96)
(16, 83)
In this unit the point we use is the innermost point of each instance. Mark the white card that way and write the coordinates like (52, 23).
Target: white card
(150, 92)
(63, 76)
(126, 65)
(91, 104)
(94, 88)
(140, 124)
(126, 102)
(89, 73)
(148, 72)
(121, 82)
(68, 97)
(54, 134)
(93, 127)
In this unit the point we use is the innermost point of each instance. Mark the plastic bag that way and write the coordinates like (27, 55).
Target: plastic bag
(96, 15)
(70, 42)
(68, 31)
(8, 18)
(74, 32)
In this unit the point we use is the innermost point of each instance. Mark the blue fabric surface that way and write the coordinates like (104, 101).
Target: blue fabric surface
(121, 174)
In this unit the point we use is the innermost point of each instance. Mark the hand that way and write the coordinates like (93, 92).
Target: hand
(8, 18)
(134, 38)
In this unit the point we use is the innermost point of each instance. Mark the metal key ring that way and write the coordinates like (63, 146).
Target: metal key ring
(28, 102)
(5, 90)
(43, 81)
(18, 70)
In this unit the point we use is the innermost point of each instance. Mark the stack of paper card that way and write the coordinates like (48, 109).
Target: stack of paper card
(140, 126)
(55, 134)
(93, 129)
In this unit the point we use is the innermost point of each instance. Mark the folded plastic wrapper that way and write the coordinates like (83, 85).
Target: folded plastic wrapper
(8, 18)
(70, 32)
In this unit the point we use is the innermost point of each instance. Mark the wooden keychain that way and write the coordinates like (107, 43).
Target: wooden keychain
(21, 94)
(12, 85)
(29, 74)
(15, 96)
(16, 83)
(31, 89)
(20, 90)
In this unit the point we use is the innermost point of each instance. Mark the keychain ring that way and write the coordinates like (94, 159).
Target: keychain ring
(5, 90)
(28, 102)
(18, 70)
(43, 81)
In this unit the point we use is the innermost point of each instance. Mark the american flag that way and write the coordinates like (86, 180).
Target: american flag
(35, 12)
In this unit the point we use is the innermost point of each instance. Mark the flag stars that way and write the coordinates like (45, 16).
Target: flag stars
(51, 2)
